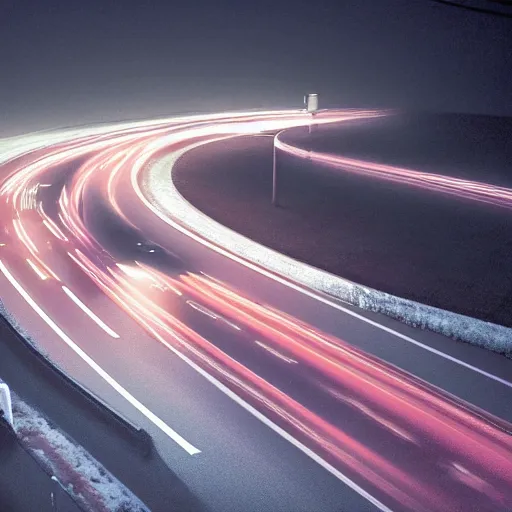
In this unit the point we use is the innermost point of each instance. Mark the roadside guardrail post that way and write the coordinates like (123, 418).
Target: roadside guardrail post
(5, 403)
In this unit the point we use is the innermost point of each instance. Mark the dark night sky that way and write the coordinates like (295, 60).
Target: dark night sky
(75, 62)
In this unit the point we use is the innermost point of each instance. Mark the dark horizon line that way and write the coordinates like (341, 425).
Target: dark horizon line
(481, 10)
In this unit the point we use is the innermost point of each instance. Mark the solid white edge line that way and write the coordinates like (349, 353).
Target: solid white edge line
(183, 443)
(89, 313)
(305, 291)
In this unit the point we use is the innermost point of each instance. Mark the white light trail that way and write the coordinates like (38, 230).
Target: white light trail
(54, 230)
(276, 353)
(38, 271)
(22, 235)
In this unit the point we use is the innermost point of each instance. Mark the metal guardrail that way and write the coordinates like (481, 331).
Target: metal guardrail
(143, 439)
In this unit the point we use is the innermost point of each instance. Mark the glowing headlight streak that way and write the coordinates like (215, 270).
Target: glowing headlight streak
(477, 191)
(400, 383)
(22, 235)
(27, 242)
(63, 198)
(24, 195)
(75, 149)
(276, 353)
(367, 411)
(160, 279)
(54, 229)
(89, 272)
(136, 273)
(70, 203)
(69, 218)
(216, 369)
(64, 221)
(37, 270)
(201, 309)
(300, 420)
(113, 176)
(421, 408)
(237, 375)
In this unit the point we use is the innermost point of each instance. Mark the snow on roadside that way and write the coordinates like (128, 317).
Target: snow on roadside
(92, 486)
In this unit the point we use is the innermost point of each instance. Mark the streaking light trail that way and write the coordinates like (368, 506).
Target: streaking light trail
(399, 442)
(474, 190)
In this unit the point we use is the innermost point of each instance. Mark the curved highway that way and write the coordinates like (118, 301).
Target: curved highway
(259, 396)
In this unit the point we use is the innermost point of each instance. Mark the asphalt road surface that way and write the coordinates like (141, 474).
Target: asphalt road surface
(258, 396)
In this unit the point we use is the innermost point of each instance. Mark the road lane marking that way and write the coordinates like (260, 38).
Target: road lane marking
(188, 447)
(89, 313)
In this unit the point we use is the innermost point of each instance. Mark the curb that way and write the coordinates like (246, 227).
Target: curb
(8, 435)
